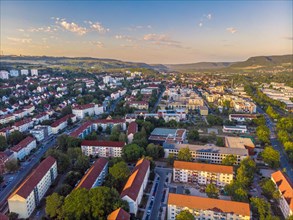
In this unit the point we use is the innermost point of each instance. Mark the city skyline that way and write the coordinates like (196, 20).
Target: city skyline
(151, 32)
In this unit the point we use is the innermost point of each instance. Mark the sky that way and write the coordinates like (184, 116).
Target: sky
(166, 32)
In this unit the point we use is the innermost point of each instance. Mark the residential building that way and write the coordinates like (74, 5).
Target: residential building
(131, 131)
(242, 117)
(207, 208)
(41, 132)
(241, 105)
(202, 173)
(41, 117)
(119, 214)
(239, 142)
(109, 122)
(138, 104)
(207, 153)
(5, 132)
(83, 110)
(34, 72)
(13, 73)
(135, 185)
(95, 176)
(28, 195)
(4, 74)
(102, 148)
(84, 130)
(24, 72)
(23, 148)
(235, 129)
(61, 123)
(285, 187)
(168, 115)
(23, 125)
(203, 110)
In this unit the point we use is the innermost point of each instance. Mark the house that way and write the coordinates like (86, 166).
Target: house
(102, 148)
(202, 173)
(135, 185)
(131, 131)
(207, 208)
(29, 194)
(119, 214)
(208, 153)
(203, 110)
(285, 187)
(23, 148)
(95, 176)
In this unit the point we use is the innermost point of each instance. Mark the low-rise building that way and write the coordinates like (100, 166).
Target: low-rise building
(84, 130)
(95, 176)
(23, 148)
(102, 148)
(41, 132)
(242, 117)
(28, 195)
(202, 173)
(235, 129)
(135, 185)
(207, 208)
(34, 72)
(138, 104)
(119, 214)
(61, 123)
(167, 136)
(239, 142)
(131, 131)
(285, 187)
(207, 153)
(109, 122)
(23, 125)
(203, 110)
(4, 74)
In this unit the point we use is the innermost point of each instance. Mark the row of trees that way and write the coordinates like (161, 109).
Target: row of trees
(285, 135)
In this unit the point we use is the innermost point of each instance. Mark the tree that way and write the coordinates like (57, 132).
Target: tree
(13, 216)
(263, 134)
(261, 207)
(62, 142)
(122, 137)
(184, 215)
(11, 165)
(170, 159)
(115, 133)
(220, 142)
(229, 160)
(214, 120)
(269, 189)
(132, 152)
(184, 154)
(120, 172)
(82, 164)
(1, 179)
(236, 191)
(193, 135)
(108, 130)
(64, 190)
(272, 113)
(15, 137)
(155, 151)
(212, 191)
(3, 143)
(54, 204)
(271, 157)
(140, 138)
(63, 160)
(66, 110)
(72, 177)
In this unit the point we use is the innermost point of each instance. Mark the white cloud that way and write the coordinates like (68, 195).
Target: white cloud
(200, 24)
(20, 30)
(20, 40)
(162, 40)
(209, 16)
(97, 26)
(98, 44)
(149, 27)
(48, 29)
(127, 38)
(232, 30)
(71, 26)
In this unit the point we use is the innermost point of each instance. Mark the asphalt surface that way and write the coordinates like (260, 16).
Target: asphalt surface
(284, 160)
(158, 101)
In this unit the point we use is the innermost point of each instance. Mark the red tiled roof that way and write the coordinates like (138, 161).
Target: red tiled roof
(41, 115)
(34, 178)
(285, 187)
(22, 122)
(79, 130)
(61, 120)
(93, 173)
(109, 121)
(213, 168)
(134, 182)
(102, 143)
(82, 107)
(132, 128)
(22, 144)
(119, 214)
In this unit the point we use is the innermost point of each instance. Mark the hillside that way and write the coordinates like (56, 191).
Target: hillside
(198, 66)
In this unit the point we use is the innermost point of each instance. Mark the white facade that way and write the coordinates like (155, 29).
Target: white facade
(24, 72)
(24, 148)
(235, 129)
(13, 73)
(107, 79)
(4, 74)
(34, 72)
(101, 151)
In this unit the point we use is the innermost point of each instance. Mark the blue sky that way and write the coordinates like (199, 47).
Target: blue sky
(148, 31)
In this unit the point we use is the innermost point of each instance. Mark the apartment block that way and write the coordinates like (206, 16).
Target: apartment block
(207, 208)
(285, 187)
(202, 173)
(102, 148)
(29, 194)
(23, 148)
(61, 123)
(109, 122)
(135, 185)
(242, 117)
(87, 110)
(95, 176)
(119, 214)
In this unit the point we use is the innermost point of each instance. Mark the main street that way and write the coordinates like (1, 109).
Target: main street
(284, 160)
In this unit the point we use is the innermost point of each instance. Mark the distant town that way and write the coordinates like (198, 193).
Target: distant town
(141, 143)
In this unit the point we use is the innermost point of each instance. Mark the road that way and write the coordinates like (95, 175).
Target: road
(113, 105)
(25, 170)
(158, 101)
(162, 172)
(277, 145)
